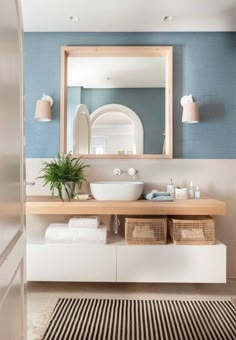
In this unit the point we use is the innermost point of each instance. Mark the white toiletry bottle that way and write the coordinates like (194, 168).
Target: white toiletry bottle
(197, 192)
(171, 188)
(191, 190)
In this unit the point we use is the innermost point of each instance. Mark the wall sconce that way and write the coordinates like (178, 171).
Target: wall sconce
(190, 110)
(43, 109)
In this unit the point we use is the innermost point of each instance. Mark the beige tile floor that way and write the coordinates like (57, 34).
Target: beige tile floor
(40, 293)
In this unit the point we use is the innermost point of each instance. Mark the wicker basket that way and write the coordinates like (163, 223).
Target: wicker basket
(192, 230)
(146, 230)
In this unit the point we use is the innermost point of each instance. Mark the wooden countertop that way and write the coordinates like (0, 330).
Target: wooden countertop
(45, 205)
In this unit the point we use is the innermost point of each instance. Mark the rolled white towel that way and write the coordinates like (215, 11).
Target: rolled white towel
(61, 233)
(84, 222)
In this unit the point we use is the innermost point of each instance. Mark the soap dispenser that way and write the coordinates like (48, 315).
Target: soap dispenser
(197, 192)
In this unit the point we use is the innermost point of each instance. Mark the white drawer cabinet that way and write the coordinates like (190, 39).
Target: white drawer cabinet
(126, 263)
(171, 263)
(71, 262)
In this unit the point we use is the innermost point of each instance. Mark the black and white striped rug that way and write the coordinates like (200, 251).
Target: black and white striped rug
(94, 319)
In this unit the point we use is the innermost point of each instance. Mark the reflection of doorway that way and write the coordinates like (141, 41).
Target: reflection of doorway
(116, 131)
(120, 127)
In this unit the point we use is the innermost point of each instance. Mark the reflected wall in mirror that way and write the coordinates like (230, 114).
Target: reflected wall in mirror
(116, 102)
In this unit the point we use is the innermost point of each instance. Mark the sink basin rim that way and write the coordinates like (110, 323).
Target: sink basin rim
(121, 182)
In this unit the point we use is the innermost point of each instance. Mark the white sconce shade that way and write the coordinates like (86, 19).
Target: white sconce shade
(190, 113)
(190, 110)
(43, 109)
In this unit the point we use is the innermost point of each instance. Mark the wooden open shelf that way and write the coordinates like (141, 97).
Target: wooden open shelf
(45, 205)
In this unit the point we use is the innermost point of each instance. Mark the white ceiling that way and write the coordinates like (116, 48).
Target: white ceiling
(128, 15)
(116, 72)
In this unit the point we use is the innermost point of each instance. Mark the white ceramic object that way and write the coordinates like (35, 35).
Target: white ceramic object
(116, 191)
(181, 193)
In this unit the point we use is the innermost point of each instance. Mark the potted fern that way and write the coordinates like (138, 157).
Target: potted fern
(62, 174)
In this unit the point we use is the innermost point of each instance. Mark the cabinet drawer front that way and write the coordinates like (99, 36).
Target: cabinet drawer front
(171, 263)
(71, 262)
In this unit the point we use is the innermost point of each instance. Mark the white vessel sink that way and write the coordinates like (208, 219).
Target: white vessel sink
(116, 191)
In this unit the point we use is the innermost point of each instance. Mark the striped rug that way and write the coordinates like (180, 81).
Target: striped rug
(94, 319)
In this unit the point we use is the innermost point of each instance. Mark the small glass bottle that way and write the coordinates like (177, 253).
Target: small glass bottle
(191, 190)
(197, 192)
(171, 188)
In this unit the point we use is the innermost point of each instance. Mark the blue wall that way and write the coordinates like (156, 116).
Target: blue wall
(148, 103)
(204, 65)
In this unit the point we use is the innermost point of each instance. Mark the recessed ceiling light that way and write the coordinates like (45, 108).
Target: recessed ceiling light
(74, 18)
(168, 18)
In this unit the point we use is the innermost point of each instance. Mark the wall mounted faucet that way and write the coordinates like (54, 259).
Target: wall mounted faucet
(117, 172)
(132, 172)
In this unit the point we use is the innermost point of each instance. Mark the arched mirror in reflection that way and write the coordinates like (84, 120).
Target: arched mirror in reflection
(138, 79)
(113, 133)
(110, 129)
(81, 130)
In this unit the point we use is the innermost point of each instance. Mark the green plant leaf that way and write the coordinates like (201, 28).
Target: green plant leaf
(61, 170)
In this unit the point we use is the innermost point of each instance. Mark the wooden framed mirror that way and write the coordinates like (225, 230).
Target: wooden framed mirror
(125, 93)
